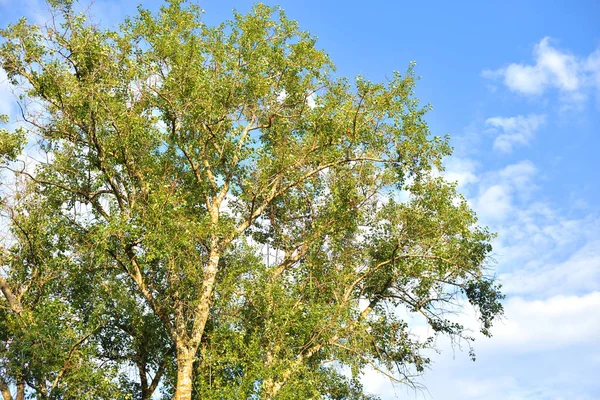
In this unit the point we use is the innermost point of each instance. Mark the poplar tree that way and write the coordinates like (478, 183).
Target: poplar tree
(218, 208)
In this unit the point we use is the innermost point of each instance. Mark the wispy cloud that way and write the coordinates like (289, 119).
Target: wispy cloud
(515, 131)
(580, 272)
(498, 191)
(549, 266)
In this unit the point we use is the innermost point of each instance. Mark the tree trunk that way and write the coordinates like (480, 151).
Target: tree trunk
(185, 362)
(6, 395)
(146, 394)
(20, 390)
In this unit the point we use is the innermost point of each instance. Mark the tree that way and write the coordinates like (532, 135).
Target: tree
(176, 151)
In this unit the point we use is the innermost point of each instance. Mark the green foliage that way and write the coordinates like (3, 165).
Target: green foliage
(11, 143)
(178, 155)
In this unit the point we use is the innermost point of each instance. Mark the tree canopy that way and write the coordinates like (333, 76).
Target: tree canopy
(215, 214)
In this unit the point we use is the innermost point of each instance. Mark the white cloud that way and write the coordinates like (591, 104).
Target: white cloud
(579, 273)
(543, 325)
(6, 95)
(518, 174)
(552, 68)
(498, 191)
(495, 202)
(538, 325)
(515, 131)
(540, 251)
(460, 170)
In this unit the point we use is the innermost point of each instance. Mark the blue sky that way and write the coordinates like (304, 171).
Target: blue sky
(517, 86)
